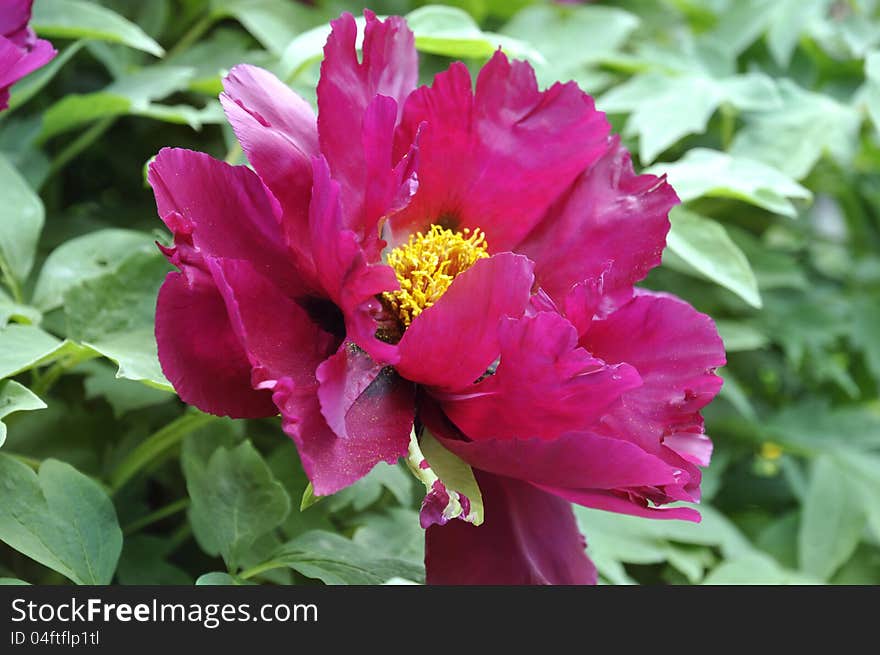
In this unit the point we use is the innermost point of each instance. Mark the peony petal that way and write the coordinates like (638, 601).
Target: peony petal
(17, 61)
(373, 409)
(675, 350)
(14, 15)
(226, 209)
(498, 157)
(199, 351)
(278, 132)
(529, 537)
(278, 335)
(544, 386)
(351, 137)
(610, 227)
(347, 278)
(620, 502)
(462, 327)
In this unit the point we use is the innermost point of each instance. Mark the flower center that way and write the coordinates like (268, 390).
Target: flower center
(427, 264)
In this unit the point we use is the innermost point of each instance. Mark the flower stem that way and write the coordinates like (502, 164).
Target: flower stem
(47, 380)
(155, 517)
(11, 282)
(157, 445)
(261, 568)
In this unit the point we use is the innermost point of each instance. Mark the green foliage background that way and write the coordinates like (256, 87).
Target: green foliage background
(765, 115)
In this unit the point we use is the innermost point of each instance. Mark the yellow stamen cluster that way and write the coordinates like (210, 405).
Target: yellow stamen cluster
(427, 264)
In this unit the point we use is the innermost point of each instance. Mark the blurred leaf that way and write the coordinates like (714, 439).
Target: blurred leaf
(220, 579)
(571, 37)
(704, 245)
(274, 23)
(709, 173)
(76, 19)
(61, 519)
(832, 521)
(664, 108)
(755, 569)
(113, 314)
(739, 336)
(394, 533)
(368, 489)
(793, 137)
(23, 347)
(14, 582)
(21, 221)
(15, 397)
(123, 395)
(86, 257)
(133, 93)
(235, 501)
(336, 560)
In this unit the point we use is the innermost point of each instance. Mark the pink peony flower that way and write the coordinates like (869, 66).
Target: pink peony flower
(457, 259)
(21, 52)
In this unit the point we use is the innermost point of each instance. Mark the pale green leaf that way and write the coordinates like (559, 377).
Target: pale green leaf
(15, 397)
(21, 221)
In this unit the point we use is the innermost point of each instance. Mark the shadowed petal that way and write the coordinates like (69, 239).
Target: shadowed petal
(277, 334)
(495, 158)
(199, 351)
(622, 502)
(373, 409)
(462, 327)
(544, 385)
(528, 537)
(346, 276)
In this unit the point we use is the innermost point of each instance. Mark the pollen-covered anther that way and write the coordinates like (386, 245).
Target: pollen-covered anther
(427, 264)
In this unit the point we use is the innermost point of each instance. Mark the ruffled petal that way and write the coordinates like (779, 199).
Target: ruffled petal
(351, 137)
(371, 406)
(495, 158)
(278, 132)
(544, 386)
(343, 270)
(676, 351)
(610, 227)
(225, 209)
(199, 351)
(277, 334)
(462, 327)
(529, 537)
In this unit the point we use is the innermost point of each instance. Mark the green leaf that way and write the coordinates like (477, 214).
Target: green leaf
(394, 533)
(216, 578)
(235, 501)
(368, 490)
(15, 397)
(23, 347)
(123, 395)
(704, 245)
(739, 336)
(451, 32)
(832, 521)
(664, 108)
(76, 19)
(795, 136)
(14, 582)
(114, 313)
(431, 463)
(132, 94)
(570, 38)
(755, 569)
(21, 221)
(338, 561)
(274, 23)
(61, 518)
(84, 258)
(710, 173)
